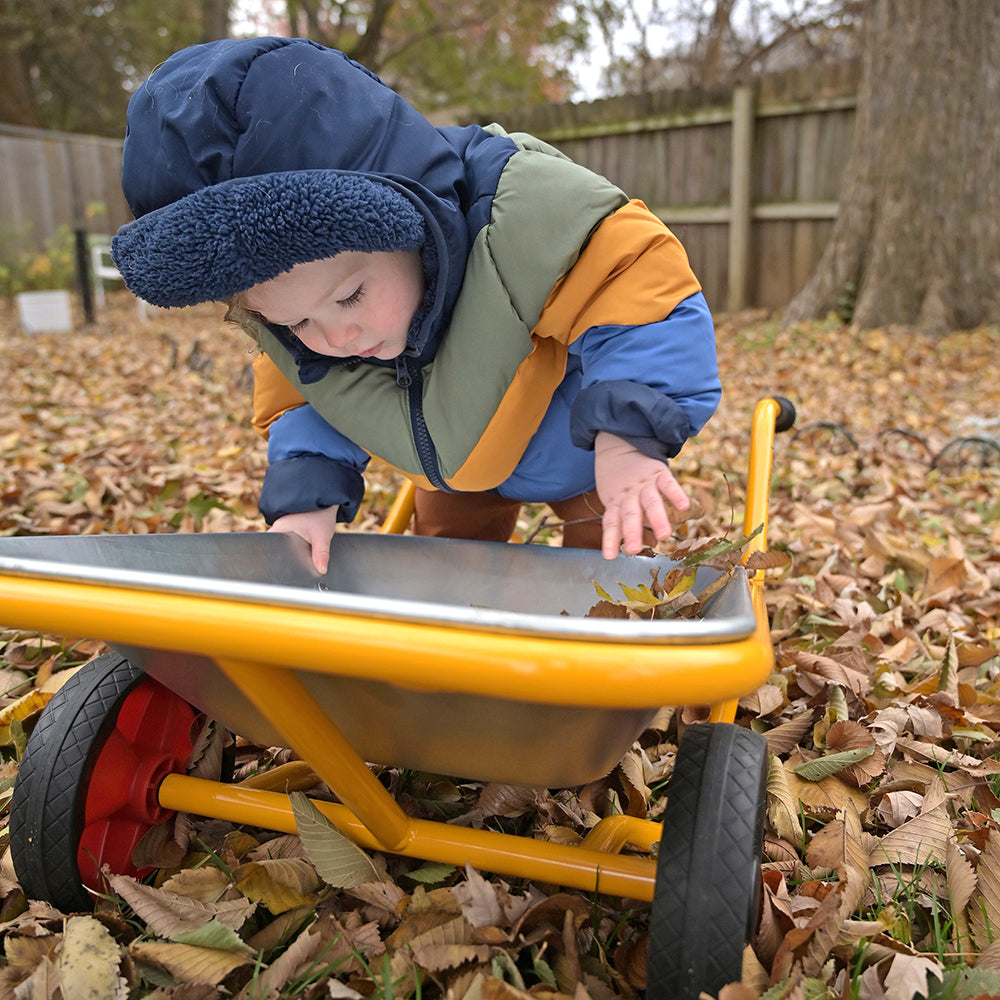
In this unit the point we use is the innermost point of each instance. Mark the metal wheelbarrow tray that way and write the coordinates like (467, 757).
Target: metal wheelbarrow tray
(471, 659)
(432, 654)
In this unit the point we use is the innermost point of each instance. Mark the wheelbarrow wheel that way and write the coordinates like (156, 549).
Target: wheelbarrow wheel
(707, 894)
(86, 789)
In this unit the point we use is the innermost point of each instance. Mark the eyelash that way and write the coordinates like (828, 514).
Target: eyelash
(352, 300)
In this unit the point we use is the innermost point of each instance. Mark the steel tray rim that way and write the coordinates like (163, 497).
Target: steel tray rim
(694, 631)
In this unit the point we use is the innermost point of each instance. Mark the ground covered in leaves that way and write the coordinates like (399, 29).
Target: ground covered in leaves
(882, 715)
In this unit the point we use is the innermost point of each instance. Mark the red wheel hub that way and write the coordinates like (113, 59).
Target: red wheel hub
(151, 739)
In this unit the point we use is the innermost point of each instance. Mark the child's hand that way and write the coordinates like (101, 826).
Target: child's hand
(632, 486)
(316, 527)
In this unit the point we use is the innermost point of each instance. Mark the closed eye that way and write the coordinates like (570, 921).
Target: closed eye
(354, 298)
(297, 328)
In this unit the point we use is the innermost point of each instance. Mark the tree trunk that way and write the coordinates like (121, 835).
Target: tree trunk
(917, 236)
(215, 19)
(17, 102)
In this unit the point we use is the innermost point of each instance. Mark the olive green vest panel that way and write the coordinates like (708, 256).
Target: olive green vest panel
(542, 200)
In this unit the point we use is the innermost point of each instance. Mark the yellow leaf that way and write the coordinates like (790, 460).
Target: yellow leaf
(88, 960)
(685, 583)
(30, 703)
(824, 797)
(337, 859)
(189, 963)
(280, 884)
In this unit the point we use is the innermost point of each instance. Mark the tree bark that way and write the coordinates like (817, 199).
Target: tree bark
(917, 236)
(17, 102)
(215, 19)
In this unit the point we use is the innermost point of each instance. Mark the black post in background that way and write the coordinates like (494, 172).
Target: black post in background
(83, 274)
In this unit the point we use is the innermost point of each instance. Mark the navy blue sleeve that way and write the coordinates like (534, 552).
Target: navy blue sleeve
(639, 414)
(654, 385)
(311, 466)
(310, 482)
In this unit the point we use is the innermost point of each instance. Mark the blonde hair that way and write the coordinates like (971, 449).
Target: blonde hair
(243, 317)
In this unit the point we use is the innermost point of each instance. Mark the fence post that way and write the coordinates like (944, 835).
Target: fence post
(741, 173)
(83, 275)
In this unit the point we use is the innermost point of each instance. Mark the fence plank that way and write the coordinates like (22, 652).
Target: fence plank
(739, 197)
(753, 235)
(801, 137)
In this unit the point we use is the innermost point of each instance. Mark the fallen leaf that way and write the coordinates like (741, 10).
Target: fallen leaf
(170, 913)
(88, 962)
(189, 963)
(336, 858)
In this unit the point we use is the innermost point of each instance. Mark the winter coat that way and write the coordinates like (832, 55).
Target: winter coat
(554, 307)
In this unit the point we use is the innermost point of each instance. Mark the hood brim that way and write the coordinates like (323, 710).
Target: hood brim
(227, 237)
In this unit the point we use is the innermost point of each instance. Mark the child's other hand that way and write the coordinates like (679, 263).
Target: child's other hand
(632, 486)
(316, 527)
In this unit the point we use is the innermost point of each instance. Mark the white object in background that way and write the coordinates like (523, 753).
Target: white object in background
(45, 312)
(103, 267)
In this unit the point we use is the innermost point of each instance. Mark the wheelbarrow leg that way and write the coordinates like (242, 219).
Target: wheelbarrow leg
(286, 703)
(401, 510)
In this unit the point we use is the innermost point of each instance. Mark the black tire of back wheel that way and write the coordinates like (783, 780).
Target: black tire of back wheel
(47, 801)
(707, 894)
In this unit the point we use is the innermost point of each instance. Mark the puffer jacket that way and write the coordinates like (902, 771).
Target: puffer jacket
(555, 308)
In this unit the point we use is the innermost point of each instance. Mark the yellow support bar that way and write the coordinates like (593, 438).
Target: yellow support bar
(759, 472)
(284, 701)
(401, 510)
(615, 832)
(577, 867)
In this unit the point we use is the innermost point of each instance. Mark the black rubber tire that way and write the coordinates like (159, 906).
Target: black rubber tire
(50, 794)
(707, 896)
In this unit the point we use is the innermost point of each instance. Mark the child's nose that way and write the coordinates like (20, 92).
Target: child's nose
(338, 335)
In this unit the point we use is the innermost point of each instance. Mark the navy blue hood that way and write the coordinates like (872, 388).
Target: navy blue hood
(243, 158)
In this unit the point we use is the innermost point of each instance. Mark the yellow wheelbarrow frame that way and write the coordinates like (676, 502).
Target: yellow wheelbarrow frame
(264, 650)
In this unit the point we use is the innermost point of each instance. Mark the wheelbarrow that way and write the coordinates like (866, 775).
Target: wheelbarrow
(477, 659)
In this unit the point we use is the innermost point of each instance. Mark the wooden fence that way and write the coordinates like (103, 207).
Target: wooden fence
(748, 179)
(54, 179)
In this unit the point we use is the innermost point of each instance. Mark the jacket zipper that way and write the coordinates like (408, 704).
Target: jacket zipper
(411, 378)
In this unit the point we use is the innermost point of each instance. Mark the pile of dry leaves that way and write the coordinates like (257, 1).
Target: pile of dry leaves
(882, 868)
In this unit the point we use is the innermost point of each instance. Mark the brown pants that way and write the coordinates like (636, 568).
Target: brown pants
(487, 517)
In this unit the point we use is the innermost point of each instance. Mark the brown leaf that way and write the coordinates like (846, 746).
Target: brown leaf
(447, 945)
(478, 900)
(849, 735)
(825, 797)
(169, 913)
(984, 905)
(770, 559)
(505, 800)
(784, 738)
(782, 803)
(545, 919)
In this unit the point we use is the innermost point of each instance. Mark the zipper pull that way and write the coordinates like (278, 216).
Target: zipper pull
(403, 377)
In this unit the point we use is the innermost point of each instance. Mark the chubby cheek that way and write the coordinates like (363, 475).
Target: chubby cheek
(317, 343)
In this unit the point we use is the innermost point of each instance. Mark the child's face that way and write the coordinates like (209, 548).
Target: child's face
(351, 305)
